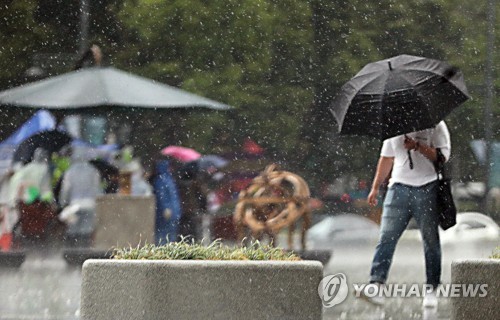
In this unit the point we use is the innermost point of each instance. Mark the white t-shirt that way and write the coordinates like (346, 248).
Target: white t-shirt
(423, 170)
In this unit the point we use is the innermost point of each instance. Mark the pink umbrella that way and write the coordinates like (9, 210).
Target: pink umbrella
(181, 153)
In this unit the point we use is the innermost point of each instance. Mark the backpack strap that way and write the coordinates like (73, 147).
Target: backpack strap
(439, 163)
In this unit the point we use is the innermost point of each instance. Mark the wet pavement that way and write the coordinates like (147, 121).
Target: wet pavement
(407, 268)
(46, 287)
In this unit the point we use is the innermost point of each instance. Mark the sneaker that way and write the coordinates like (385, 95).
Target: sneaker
(371, 296)
(430, 300)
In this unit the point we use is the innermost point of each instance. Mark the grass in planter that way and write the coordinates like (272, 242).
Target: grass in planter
(190, 250)
(496, 253)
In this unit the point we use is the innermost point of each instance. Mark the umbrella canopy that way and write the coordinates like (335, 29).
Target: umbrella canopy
(181, 153)
(102, 86)
(212, 160)
(398, 95)
(42, 120)
(50, 140)
(208, 163)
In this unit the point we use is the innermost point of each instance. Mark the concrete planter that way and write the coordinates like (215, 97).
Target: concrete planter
(167, 289)
(477, 271)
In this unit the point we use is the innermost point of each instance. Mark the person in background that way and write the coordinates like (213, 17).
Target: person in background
(193, 200)
(361, 191)
(80, 187)
(139, 185)
(33, 181)
(8, 215)
(168, 206)
(61, 162)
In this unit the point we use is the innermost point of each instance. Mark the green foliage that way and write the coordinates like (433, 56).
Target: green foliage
(279, 63)
(253, 55)
(496, 253)
(186, 250)
(20, 38)
(63, 17)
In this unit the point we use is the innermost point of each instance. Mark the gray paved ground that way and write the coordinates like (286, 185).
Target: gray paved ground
(46, 288)
(407, 268)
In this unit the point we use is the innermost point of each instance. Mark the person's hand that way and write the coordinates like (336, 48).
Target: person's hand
(409, 143)
(372, 197)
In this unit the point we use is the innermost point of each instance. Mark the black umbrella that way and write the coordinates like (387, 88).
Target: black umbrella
(398, 95)
(106, 169)
(108, 172)
(50, 140)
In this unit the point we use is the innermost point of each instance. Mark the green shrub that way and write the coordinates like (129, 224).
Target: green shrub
(186, 250)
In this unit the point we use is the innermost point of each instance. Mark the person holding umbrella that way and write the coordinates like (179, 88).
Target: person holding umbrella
(402, 101)
(412, 194)
(32, 181)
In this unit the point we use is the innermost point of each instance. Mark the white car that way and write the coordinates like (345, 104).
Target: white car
(471, 226)
(341, 229)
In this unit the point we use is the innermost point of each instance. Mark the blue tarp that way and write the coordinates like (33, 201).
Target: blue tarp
(42, 120)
